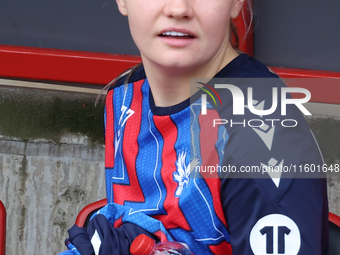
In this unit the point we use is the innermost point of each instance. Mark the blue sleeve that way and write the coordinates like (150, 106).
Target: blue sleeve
(282, 216)
(101, 236)
(261, 222)
(286, 213)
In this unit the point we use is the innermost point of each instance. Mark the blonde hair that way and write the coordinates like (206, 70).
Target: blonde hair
(128, 73)
(247, 17)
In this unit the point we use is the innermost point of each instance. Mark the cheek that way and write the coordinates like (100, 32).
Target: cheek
(217, 21)
(218, 30)
(137, 30)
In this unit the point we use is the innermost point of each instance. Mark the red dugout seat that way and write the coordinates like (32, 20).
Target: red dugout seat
(2, 229)
(86, 213)
(334, 234)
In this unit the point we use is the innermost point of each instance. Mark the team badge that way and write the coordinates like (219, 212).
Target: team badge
(182, 175)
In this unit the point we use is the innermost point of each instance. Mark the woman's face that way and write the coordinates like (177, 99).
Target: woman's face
(185, 34)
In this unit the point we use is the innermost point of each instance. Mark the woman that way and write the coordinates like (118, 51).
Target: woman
(159, 145)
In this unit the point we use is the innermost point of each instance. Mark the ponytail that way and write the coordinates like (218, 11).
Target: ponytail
(247, 18)
(128, 73)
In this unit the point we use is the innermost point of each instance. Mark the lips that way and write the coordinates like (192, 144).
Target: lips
(176, 37)
(177, 34)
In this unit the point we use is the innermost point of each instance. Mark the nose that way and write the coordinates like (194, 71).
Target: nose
(178, 9)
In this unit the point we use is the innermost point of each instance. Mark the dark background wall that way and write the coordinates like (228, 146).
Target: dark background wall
(290, 33)
(298, 33)
(85, 25)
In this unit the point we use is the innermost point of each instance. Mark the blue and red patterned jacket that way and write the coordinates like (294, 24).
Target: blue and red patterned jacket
(156, 161)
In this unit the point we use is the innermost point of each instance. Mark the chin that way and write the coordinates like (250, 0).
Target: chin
(180, 64)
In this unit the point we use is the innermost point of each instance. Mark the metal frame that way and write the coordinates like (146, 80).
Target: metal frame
(30, 63)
